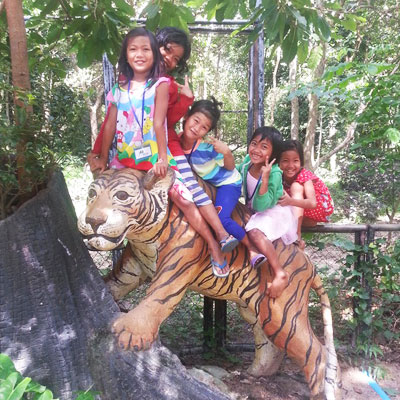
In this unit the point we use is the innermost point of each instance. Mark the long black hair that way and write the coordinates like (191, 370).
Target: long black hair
(210, 108)
(273, 135)
(168, 35)
(125, 70)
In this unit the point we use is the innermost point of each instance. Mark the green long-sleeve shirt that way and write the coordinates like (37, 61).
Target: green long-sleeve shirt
(275, 188)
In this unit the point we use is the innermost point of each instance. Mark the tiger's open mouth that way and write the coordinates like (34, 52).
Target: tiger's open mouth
(95, 237)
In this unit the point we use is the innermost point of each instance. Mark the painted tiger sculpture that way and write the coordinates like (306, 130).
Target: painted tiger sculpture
(162, 245)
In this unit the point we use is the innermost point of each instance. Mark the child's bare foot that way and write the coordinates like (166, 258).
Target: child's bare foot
(278, 284)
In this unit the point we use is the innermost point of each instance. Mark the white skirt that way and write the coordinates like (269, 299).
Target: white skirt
(276, 222)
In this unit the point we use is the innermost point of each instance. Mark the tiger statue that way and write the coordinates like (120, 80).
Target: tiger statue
(163, 246)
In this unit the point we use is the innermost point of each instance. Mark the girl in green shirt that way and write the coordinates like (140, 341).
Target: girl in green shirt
(262, 188)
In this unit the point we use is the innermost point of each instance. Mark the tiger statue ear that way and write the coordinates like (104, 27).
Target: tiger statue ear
(154, 184)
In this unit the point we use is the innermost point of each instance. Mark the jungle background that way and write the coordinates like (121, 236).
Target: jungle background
(331, 80)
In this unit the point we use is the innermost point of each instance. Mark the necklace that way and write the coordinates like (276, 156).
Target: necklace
(133, 108)
(191, 151)
(249, 198)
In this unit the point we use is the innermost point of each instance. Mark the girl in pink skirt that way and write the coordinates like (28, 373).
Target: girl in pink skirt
(262, 187)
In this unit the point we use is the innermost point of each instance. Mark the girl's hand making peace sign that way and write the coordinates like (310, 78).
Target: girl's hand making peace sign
(266, 169)
(185, 89)
(264, 175)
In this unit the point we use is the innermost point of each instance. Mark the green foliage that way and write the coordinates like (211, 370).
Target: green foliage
(370, 179)
(57, 132)
(91, 28)
(363, 285)
(13, 386)
(371, 276)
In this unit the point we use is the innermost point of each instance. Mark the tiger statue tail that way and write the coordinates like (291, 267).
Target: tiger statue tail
(332, 373)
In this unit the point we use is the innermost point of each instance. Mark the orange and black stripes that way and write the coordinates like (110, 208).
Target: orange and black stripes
(164, 246)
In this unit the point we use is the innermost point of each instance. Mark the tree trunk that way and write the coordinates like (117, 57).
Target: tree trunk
(313, 116)
(274, 87)
(20, 77)
(295, 124)
(56, 312)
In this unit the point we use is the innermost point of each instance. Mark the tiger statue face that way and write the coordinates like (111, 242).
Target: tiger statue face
(123, 204)
(162, 245)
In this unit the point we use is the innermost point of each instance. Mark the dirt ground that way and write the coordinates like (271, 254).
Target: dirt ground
(289, 382)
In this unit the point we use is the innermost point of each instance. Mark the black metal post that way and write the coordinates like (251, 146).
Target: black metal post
(108, 77)
(359, 240)
(256, 84)
(220, 323)
(208, 322)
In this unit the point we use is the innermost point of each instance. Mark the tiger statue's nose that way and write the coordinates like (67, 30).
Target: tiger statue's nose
(95, 222)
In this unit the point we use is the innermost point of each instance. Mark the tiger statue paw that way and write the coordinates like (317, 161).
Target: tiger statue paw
(163, 247)
(134, 331)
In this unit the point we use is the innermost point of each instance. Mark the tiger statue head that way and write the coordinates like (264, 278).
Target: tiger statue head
(119, 202)
(163, 246)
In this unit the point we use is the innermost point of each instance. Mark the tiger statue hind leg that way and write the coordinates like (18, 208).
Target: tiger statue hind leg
(162, 245)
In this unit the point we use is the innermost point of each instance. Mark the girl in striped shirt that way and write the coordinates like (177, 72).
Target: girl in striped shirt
(213, 161)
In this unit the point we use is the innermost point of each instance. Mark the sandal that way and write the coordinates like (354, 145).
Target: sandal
(228, 244)
(217, 268)
(257, 260)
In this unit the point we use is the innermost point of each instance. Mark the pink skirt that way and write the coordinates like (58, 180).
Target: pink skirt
(276, 222)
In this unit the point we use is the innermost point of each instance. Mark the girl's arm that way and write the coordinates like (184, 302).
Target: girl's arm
(183, 100)
(95, 152)
(108, 137)
(160, 113)
(222, 148)
(302, 196)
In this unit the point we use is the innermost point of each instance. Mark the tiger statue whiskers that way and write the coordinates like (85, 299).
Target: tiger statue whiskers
(163, 246)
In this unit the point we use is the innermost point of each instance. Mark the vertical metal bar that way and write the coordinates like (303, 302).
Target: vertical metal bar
(359, 239)
(108, 81)
(260, 80)
(108, 77)
(220, 323)
(256, 84)
(250, 106)
(368, 258)
(208, 322)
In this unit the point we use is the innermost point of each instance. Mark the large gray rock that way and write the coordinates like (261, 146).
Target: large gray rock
(55, 312)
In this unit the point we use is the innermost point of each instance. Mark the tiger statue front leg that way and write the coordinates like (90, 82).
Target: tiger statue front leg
(127, 204)
(139, 328)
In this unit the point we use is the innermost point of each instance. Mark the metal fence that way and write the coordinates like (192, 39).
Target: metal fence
(199, 323)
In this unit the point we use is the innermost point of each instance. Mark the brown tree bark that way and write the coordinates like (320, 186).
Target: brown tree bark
(313, 116)
(20, 78)
(350, 130)
(295, 124)
(18, 48)
(274, 86)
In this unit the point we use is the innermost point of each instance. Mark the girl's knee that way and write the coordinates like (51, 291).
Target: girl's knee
(254, 234)
(308, 222)
(179, 200)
